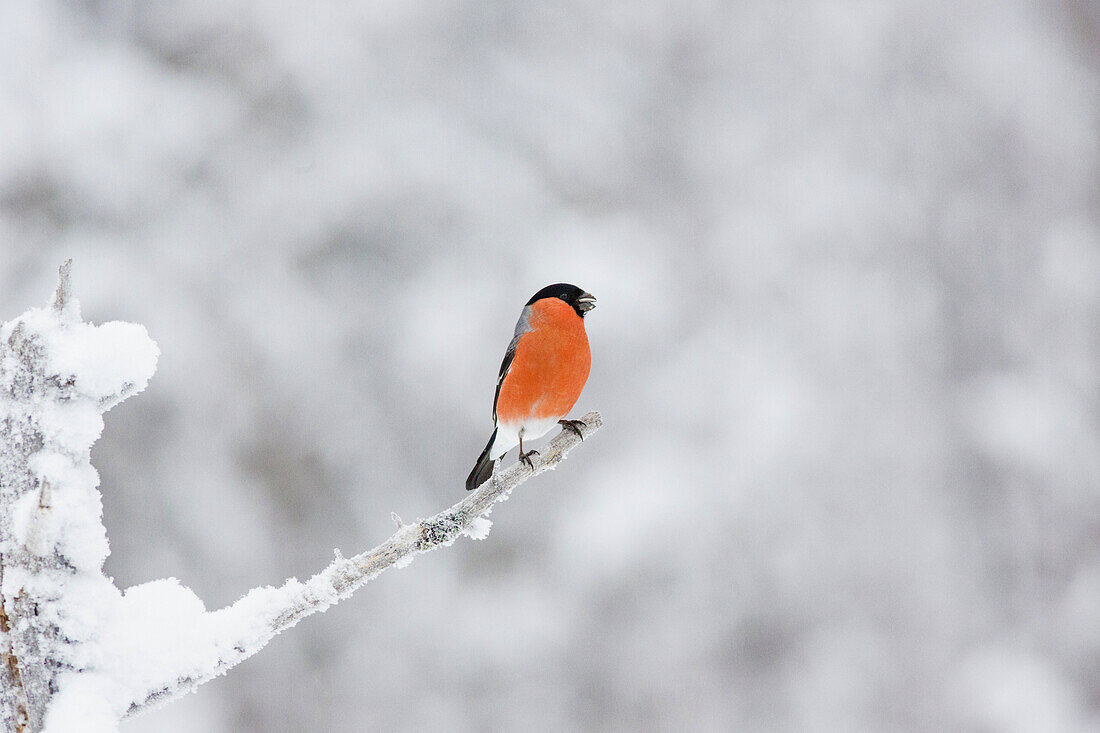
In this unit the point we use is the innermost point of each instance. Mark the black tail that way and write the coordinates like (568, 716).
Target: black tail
(483, 469)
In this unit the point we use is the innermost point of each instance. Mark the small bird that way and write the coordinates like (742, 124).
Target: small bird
(541, 377)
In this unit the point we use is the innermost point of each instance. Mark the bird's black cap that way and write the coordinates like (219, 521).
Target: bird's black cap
(581, 301)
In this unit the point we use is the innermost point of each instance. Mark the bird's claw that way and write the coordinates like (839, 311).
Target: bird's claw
(526, 458)
(574, 426)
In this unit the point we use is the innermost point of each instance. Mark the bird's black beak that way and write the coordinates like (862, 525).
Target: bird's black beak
(586, 302)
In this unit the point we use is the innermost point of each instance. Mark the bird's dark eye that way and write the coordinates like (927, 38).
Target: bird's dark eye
(563, 296)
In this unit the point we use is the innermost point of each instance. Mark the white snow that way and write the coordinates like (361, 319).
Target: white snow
(478, 529)
(81, 705)
(106, 358)
(155, 634)
(160, 632)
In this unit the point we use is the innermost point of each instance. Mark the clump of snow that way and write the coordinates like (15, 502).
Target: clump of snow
(104, 360)
(152, 629)
(156, 634)
(81, 705)
(478, 529)
(152, 622)
(160, 632)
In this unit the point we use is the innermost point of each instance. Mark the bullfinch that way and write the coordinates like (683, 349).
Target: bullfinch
(542, 375)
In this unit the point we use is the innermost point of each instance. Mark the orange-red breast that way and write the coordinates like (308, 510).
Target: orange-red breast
(542, 375)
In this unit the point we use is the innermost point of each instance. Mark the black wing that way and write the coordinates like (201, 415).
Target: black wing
(522, 327)
(504, 366)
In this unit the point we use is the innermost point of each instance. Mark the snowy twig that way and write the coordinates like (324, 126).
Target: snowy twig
(64, 292)
(281, 608)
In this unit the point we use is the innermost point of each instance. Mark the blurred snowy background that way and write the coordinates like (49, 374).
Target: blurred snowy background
(847, 346)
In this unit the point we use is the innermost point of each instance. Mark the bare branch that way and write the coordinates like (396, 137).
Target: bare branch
(64, 291)
(294, 600)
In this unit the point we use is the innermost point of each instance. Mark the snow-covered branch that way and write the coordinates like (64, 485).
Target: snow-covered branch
(75, 652)
(242, 629)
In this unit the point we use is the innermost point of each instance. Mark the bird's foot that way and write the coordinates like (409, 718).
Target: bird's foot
(526, 458)
(574, 426)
